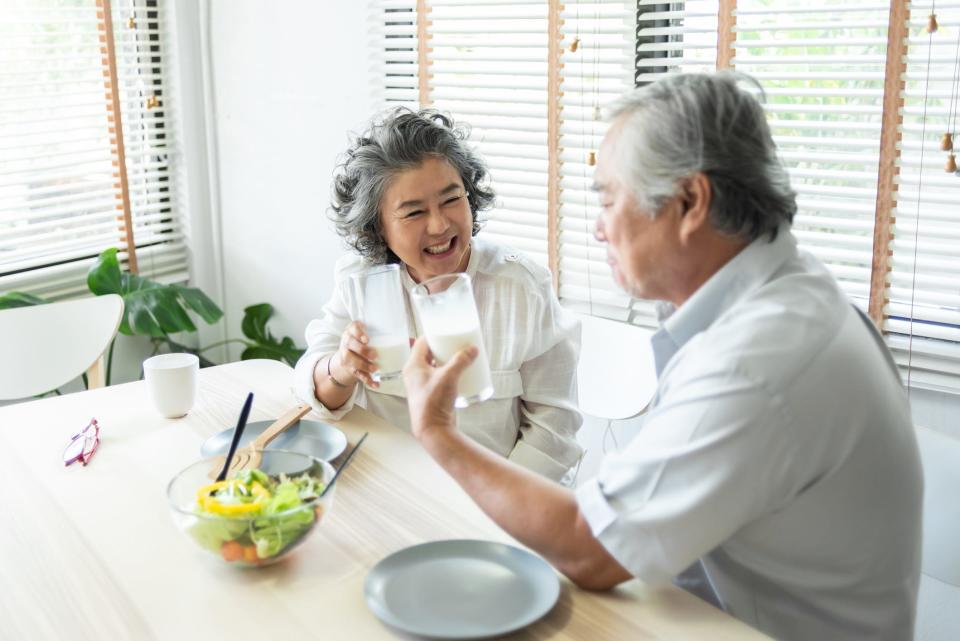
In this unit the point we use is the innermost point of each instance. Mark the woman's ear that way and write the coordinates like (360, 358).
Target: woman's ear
(695, 200)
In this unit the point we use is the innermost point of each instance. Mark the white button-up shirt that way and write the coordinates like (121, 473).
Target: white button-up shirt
(779, 450)
(532, 343)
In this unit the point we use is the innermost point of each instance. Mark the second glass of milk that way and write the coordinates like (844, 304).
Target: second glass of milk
(379, 295)
(448, 314)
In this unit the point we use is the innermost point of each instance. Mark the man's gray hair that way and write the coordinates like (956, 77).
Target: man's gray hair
(399, 140)
(707, 123)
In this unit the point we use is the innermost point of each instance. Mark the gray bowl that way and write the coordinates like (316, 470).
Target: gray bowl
(317, 439)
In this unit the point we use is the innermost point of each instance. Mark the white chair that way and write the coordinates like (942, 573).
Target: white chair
(938, 607)
(45, 346)
(616, 379)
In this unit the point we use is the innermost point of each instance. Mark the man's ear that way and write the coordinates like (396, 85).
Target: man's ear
(695, 206)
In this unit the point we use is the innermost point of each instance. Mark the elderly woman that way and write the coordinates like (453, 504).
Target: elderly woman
(408, 191)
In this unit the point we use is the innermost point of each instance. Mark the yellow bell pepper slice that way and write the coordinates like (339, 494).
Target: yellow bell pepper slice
(210, 503)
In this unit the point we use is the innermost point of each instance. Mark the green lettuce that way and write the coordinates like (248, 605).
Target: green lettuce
(212, 533)
(281, 523)
(284, 518)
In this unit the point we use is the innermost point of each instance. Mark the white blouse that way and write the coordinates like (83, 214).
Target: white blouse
(533, 345)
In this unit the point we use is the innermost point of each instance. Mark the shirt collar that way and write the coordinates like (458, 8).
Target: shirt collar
(743, 274)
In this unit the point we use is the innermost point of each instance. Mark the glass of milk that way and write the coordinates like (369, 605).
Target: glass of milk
(379, 295)
(448, 313)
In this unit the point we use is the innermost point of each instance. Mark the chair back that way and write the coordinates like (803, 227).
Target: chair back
(616, 376)
(45, 346)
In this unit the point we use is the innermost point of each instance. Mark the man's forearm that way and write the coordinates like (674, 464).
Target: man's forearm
(539, 513)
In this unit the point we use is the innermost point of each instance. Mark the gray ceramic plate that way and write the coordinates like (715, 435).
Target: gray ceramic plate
(461, 589)
(310, 437)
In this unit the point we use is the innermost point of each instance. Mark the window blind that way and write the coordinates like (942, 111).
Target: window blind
(488, 68)
(487, 62)
(622, 45)
(826, 72)
(394, 47)
(822, 68)
(596, 71)
(922, 321)
(61, 195)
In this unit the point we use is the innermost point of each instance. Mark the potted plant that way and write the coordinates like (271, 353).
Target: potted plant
(159, 311)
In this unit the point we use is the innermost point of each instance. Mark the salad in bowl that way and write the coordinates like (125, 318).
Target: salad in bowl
(254, 517)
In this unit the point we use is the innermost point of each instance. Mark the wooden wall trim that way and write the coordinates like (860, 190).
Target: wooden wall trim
(726, 36)
(423, 55)
(888, 170)
(554, 46)
(115, 118)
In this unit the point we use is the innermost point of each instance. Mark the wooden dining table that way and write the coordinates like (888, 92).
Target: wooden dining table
(93, 553)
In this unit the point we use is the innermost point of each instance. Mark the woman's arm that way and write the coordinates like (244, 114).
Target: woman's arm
(332, 394)
(549, 418)
(310, 373)
(332, 336)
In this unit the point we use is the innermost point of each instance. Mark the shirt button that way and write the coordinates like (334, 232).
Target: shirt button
(511, 258)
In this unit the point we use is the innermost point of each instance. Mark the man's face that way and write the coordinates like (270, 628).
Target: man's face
(641, 248)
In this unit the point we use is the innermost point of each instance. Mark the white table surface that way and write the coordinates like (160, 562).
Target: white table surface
(92, 553)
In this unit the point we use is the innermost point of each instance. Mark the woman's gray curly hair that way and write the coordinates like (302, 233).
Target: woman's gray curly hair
(399, 140)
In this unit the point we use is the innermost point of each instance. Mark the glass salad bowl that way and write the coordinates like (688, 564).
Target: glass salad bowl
(254, 517)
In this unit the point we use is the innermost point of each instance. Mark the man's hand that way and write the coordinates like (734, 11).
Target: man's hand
(431, 391)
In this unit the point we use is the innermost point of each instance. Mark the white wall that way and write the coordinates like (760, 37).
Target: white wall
(281, 84)
(936, 411)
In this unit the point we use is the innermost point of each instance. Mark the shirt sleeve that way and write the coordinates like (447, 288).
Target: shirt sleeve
(709, 458)
(549, 418)
(323, 338)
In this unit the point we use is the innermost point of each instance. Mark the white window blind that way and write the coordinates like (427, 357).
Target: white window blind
(61, 201)
(822, 67)
(600, 70)
(923, 315)
(622, 44)
(488, 68)
(394, 46)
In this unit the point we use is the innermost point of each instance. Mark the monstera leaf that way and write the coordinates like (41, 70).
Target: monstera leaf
(20, 299)
(150, 308)
(265, 345)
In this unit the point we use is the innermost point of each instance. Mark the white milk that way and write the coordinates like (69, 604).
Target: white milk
(392, 353)
(475, 383)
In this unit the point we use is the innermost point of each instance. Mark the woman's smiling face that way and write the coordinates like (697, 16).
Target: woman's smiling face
(426, 219)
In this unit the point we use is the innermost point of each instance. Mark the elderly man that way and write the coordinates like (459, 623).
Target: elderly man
(778, 450)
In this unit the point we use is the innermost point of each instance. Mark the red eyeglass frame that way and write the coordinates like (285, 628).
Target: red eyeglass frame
(90, 444)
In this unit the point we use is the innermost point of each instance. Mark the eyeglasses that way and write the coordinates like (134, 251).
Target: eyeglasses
(83, 444)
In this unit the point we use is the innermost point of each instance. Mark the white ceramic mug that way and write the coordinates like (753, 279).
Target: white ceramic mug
(172, 381)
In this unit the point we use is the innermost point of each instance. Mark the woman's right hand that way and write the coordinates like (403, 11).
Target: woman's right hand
(355, 359)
